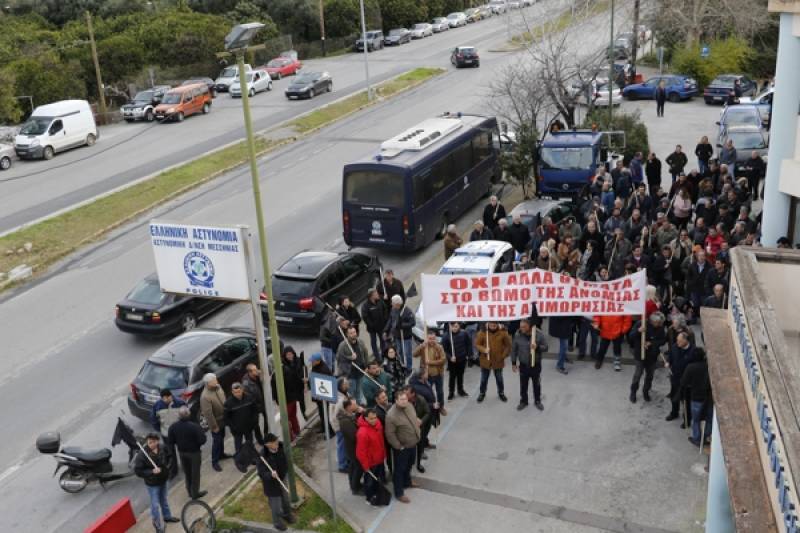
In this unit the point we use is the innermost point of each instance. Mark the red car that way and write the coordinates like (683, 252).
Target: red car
(282, 66)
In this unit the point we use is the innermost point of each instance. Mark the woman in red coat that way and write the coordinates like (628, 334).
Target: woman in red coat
(612, 330)
(371, 452)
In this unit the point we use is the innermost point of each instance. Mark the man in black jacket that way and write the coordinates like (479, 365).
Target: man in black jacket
(655, 337)
(349, 428)
(677, 161)
(480, 232)
(652, 171)
(188, 437)
(390, 286)
(241, 415)
(526, 358)
(399, 330)
(457, 347)
(254, 389)
(153, 466)
(375, 314)
(520, 235)
(680, 355)
(697, 279)
(271, 479)
(755, 169)
(696, 384)
(492, 213)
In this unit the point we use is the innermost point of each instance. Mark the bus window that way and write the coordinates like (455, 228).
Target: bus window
(481, 147)
(462, 160)
(373, 187)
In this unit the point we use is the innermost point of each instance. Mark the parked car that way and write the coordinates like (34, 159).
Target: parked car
(374, 41)
(514, 4)
(257, 81)
(746, 140)
(440, 24)
(309, 84)
(211, 84)
(397, 36)
(421, 30)
(465, 56)
(279, 67)
(142, 106)
(182, 102)
(763, 102)
(304, 282)
(679, 87)
(181, 363)
(457, 19)
(228, 76)
(6, 156)
(498, 7)
(473, 14)
(739, 116)
(532, 212)
(56, 127)
(596, 93)
(145, 310)
(486, 11)
(722, 87)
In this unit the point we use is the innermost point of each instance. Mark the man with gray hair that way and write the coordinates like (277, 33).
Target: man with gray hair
(188, 437)
(655, 336)
(212, 407)
(480, 232)
(501, 232)
(492, 213)
(398, 328)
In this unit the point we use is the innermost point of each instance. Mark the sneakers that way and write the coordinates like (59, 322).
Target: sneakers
(617, 366)
(503, 397)
(539, 406)
(598, 363)
(671, 417)
(632, 397)
(521, 406)
(463, 394)
(481, 396)
(646, 395)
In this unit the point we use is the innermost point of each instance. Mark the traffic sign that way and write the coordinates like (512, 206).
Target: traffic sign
(705, 52)
(323, 387)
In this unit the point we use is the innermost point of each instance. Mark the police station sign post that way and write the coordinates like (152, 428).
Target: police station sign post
(213, 262)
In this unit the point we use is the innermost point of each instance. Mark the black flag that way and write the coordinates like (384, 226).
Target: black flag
(123, 433)
(412, 291)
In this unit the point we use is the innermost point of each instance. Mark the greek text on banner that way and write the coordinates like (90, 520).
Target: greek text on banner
(508, 296)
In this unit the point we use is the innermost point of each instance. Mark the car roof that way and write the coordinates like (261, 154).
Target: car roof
(307, 264)
(475, 257)
(191, 345)
(572, 138)
(534, 207)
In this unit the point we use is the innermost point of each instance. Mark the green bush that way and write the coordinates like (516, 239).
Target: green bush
(726, 55)
(636, 139)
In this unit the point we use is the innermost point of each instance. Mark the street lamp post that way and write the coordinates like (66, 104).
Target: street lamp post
(611, 67)
(366, 50)
(236, 42)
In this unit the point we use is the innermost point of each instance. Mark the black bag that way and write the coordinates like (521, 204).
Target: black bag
(247, 456)
(382, 497)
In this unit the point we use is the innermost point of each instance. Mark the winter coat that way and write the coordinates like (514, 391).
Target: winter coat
(350, 313)
(396, 370)
(212, 407)
(370, 447)
(255, 390)
(491, 215)
(143, 468)
(351, 354)
(499, 348)
(502, 234)
(187, 435)
(677, 161)
(240, 415)
(637, 172)
(370, 390)
(621, 250)
(293, 374)
(652, 169)
(347, 425)
(695, 378)
(460, 346)
(656, 336)
(520, 236)
(484, 235)
(727, 156)
(387, 290)
(424, 390)
(431, 357)
(696, 280)
(398, 323)
(521, 348)
(452, 241)
(277, 461)
(162, 416)
(560, 327)
(402, 430)
(704, 151)
(679, 359)
(375, 315)
(612, 326)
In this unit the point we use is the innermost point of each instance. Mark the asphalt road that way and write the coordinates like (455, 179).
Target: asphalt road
(65, 366)
(127, 152)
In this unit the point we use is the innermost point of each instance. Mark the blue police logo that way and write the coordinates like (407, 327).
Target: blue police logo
(199, 269)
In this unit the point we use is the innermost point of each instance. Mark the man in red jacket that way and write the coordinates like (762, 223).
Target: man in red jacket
(371, 452)
(612, 330)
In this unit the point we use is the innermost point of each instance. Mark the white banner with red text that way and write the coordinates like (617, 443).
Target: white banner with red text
(509, 296)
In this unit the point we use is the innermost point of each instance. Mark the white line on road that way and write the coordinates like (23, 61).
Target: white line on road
(10, 470)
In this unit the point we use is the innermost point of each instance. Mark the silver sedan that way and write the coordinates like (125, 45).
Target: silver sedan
(6, 156)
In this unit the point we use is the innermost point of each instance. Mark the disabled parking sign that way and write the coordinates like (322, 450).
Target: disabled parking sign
(323, 387)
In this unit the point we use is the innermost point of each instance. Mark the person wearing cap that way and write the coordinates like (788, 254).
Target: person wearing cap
(480, 232)
(212, 407)
(399, 329)
(273, 479)
(188, 437)
(165, 411)
(375, 314)
(152, 464)
(452, 241)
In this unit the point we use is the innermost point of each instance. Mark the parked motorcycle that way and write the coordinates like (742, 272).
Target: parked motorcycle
(84, 465)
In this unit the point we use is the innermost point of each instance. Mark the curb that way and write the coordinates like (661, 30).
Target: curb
(343, 513)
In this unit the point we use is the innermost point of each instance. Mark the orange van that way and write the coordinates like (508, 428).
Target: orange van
(181, 102)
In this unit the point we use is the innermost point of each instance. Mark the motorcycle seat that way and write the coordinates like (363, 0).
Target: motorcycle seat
(89, 455)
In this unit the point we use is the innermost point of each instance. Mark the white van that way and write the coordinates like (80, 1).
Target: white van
(55, 128)
(228, 76)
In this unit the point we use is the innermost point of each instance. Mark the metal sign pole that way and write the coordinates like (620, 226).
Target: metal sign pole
(330, 457)
(255, 305)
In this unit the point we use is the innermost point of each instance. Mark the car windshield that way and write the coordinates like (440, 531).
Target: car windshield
(35, 126)
(567, 158)
(372, 34)
(439, 20)
(747, 140)
(229, 72)
(171, 98)
(160, 376)
(724, 81)
(420, 26)
(275, 63)
(374, 187)
(453, 15)
(290, 287)
(144, 96)
(396, 32)
(735, 117)
(147, 292)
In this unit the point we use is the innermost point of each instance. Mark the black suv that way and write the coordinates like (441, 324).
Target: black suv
(304, 282)
(374, 41)
(142, 105)
(181, 364)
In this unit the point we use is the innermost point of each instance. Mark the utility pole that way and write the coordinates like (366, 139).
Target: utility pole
(611, 66)
(100, 88)
(322, 27)
(366, 50)
(635, 49)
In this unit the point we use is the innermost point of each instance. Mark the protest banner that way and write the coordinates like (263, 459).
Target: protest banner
(509, 296)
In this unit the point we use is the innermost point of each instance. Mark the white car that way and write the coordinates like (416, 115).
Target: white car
(6, 156)
(421, 30)
(598, 92)
(457, 19)
(476, 257)
(440, 24)
(498, 7)
(257, 81)
(514, 4)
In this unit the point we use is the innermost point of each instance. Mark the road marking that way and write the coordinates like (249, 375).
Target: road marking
(10, 470)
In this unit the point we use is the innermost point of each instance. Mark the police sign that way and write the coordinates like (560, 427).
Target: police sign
(201, 260)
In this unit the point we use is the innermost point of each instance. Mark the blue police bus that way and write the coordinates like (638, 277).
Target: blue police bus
(403, 197)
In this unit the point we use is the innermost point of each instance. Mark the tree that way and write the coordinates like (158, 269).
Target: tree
(47, 78)
(10, 111)
(402, 13)
(636, 139)
(696, 20)
(342, 18)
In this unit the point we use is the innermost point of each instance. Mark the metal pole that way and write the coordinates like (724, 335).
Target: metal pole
(322, 27)
(366, 50)
(330, 458)
(258, 320)
(635, 37)
(262, 241)
(611, 65)
(100, 89)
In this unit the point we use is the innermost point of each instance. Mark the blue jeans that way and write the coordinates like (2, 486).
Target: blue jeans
(702, 166)
(438, 383)
(355, 389)
(408, 353)
(498, 378)
(341, 455)
(563, 344)
(378, 345)
(701, 411)
(159, 506)
(327, 356)
(586, 330)
(217, 445)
